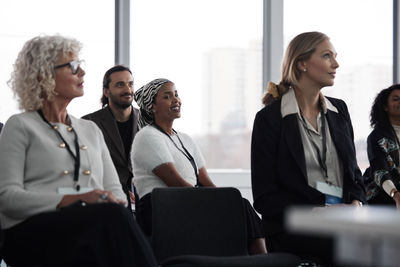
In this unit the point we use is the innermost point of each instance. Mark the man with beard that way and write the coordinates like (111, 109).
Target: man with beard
(118, 121)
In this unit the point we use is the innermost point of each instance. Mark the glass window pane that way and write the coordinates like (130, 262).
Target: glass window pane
(212, 51)
(363, 41)
(92, 23)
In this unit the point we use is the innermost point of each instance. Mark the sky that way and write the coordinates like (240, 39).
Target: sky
(170, 37)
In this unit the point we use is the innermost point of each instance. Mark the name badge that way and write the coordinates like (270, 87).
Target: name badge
(333, 193)
(72, 191)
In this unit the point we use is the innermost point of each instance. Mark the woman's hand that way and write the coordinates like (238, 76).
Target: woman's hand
(170, 175)
(132, 196)
(100, 196)
(204, 179)
(356, 203)
(95, 196)
(396, 198)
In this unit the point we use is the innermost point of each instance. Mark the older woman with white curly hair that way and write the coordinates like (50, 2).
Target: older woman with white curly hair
(61, 199)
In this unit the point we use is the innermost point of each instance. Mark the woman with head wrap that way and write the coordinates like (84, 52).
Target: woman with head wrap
(171, 158)
(61, 200)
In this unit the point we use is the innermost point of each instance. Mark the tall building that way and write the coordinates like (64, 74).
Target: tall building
(232, 88)
(230, 102)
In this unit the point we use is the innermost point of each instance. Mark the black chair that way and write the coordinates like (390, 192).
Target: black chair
(205, 227)
(1, 246)
(1, 243)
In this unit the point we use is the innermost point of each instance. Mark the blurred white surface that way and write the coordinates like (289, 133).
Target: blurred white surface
(364, 236)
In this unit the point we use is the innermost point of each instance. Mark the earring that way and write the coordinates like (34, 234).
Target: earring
(305, 70)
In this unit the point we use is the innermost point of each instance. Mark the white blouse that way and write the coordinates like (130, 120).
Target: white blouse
(152, 148)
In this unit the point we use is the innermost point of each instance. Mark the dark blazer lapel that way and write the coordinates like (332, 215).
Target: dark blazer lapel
(135, 127)
(291, 132)
(109, 125)
(337, 128)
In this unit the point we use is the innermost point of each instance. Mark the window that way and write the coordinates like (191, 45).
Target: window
(91, 23)
(212, 51)
(363, 41)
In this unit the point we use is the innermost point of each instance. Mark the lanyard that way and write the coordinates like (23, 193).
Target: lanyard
(321, 158)
(185, 152)
(76, 157)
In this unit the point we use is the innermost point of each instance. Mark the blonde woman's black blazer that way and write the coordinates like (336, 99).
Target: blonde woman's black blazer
(278, 167)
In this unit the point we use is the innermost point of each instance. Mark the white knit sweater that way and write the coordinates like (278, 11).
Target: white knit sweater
(152, 148)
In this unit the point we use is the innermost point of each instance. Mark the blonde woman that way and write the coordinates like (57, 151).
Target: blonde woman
(302, 150)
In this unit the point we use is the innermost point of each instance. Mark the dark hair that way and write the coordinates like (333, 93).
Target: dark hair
(378, 114)
(107, 80)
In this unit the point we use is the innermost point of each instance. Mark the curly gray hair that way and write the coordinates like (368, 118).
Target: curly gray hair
(32, 79)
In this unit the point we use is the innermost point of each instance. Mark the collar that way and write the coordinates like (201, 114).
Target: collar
(289, 104)
(112, 114)
(396, 128)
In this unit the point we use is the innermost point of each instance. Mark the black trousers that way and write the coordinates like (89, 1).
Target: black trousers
(314, 248)
(144, 217)
(92, 235)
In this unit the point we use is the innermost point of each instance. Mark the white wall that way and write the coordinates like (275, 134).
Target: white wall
(237, 178)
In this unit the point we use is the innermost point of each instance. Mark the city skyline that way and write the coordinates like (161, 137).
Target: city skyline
(171, 43)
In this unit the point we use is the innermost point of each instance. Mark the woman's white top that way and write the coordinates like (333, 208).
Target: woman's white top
(152, 148)
(33, 167)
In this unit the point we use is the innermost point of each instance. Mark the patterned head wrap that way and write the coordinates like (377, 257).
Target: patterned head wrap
(144, 97)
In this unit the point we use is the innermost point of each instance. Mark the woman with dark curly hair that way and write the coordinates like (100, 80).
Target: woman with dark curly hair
(383, 148)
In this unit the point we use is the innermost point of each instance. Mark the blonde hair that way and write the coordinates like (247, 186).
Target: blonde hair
(299, 49)
(32, 79)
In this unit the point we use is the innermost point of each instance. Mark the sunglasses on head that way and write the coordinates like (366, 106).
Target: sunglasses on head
(74, 65)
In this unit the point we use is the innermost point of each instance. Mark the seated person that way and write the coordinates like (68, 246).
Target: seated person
(61, 200)
(383, 149)
(171, 158)
(117, 121)
(302, 150)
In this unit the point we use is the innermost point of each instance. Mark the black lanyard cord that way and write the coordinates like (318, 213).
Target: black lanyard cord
(76, 157)
(185, 152)
(321, 158)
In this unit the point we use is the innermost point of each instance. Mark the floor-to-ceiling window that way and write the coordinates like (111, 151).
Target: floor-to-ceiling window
(212, 50)
(361, 31)
(91, 22)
